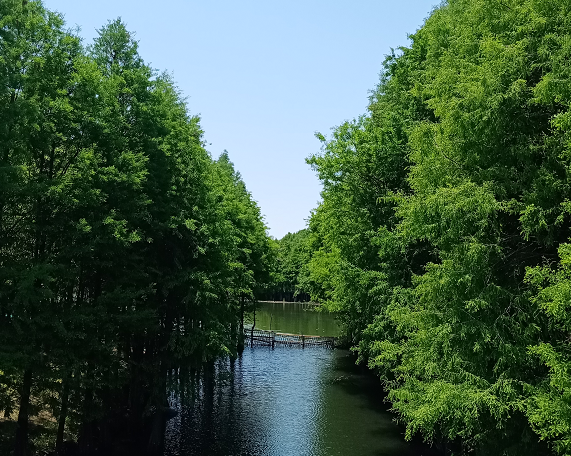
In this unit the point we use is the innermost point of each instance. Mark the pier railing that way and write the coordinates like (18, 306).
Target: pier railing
(273, 338)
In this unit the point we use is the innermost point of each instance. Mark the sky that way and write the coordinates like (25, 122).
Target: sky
(264, 76)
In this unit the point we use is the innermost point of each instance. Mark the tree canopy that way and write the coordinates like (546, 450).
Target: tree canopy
(442, 235)
(125, 248)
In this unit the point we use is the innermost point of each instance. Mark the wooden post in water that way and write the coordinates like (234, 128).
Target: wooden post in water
(252, 331)
(273, 339)
(302, 341)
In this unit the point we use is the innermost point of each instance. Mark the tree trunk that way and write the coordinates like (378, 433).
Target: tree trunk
(62, 413)
(21, 446)
(86, 437)
(241, 330)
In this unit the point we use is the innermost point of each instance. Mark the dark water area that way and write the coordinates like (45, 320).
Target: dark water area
(286, 401)
(296, 318)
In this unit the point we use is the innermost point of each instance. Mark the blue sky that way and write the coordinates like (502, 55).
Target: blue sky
(264, 76)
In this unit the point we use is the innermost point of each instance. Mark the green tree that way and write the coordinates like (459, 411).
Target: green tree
(117, 260)
(292, 253)
(474, 112)
(247, 262)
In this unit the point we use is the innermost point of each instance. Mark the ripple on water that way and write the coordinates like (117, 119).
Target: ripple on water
(286, 401)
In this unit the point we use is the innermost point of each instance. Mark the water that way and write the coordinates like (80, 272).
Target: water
(296, 318)
(287, 401)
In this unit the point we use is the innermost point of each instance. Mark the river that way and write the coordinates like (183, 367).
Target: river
(287, 401)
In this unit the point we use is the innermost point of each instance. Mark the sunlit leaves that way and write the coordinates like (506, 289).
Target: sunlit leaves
(468, 313)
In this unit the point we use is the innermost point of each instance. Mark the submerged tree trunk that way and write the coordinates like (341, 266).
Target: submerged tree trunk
(155, 445)
(21, 445)
(163, 412)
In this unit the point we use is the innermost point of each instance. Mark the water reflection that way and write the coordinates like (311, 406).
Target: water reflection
(296, 318)
(286, 401)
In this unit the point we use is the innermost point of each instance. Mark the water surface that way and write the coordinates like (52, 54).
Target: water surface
(287, 401)
(296, 318)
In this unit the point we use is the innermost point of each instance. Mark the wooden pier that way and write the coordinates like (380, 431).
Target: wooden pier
(273, 338)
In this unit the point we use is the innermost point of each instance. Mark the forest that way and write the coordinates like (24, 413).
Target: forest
(125, 248)
(441, 240)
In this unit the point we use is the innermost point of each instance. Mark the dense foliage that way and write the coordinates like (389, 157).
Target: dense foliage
(124, 247)
(291, 255)
(442, 237)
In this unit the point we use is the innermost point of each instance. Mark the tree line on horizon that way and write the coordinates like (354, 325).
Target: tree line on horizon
(125, 248)
(442, 238)
(290, 255)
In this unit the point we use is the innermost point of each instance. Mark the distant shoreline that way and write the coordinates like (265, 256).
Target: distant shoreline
(291, 302)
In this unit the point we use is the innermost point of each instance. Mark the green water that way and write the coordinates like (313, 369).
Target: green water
(296, 318)
(288, 401)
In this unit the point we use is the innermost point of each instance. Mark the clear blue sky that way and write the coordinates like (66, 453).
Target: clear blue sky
(264, 76)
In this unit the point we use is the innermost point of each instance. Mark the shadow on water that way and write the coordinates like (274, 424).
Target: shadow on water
(356, 395)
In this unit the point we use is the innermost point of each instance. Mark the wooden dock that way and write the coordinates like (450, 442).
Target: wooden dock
(273, 338)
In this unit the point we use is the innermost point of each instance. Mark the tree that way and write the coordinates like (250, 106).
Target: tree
(292, 253)
(473, 114)
(117, 262)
